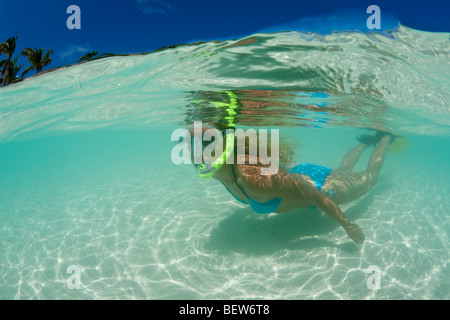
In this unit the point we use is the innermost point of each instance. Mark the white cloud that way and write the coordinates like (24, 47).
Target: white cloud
(152, 7)
(74, 50)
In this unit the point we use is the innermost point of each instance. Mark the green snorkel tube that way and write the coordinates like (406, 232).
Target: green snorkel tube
(206, 171)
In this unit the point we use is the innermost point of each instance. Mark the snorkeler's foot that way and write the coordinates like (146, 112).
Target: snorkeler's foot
(355, 233)
(393, 138)
(368, 140)
(380, 134)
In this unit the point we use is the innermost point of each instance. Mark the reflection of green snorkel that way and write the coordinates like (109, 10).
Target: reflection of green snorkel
(206, 171)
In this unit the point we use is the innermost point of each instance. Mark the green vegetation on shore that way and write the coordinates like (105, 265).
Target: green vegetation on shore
(39, 58)
(10, 68)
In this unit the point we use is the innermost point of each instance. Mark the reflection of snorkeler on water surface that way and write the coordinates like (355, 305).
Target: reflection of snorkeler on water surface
(262, 107)
(303, 185)
(284, 108)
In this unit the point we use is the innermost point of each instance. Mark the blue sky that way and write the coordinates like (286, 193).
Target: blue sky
(131, 26)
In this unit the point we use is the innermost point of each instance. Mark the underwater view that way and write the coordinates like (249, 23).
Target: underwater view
(88, 183)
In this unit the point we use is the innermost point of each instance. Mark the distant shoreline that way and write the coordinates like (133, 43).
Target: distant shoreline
(108, 55)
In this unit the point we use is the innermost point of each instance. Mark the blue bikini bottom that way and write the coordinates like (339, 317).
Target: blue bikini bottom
(317, 173)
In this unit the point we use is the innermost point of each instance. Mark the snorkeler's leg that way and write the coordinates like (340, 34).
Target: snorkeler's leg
(350, 159)
(377, 158)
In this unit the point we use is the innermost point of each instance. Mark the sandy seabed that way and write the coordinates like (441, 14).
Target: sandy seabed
(167, 235)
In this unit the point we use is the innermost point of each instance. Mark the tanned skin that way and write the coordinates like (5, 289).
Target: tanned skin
(298, 190)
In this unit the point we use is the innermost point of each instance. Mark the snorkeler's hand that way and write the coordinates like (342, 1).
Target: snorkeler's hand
(355, 233)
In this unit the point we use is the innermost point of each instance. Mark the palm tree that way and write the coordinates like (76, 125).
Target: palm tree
(8, 47)
(88, 56)
(12, 70)
(2, 65)
(37, 59)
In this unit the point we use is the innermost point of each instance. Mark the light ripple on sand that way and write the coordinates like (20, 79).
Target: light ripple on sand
(132, 240)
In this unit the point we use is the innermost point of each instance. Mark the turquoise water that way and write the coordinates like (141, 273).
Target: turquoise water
(87, 178)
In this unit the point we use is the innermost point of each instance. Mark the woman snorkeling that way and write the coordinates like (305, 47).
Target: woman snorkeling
(304, 185)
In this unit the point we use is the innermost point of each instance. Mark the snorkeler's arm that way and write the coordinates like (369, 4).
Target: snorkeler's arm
(284, 185)
(332, 210)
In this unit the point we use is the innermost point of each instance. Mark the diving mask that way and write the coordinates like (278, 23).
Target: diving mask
(208, 167)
